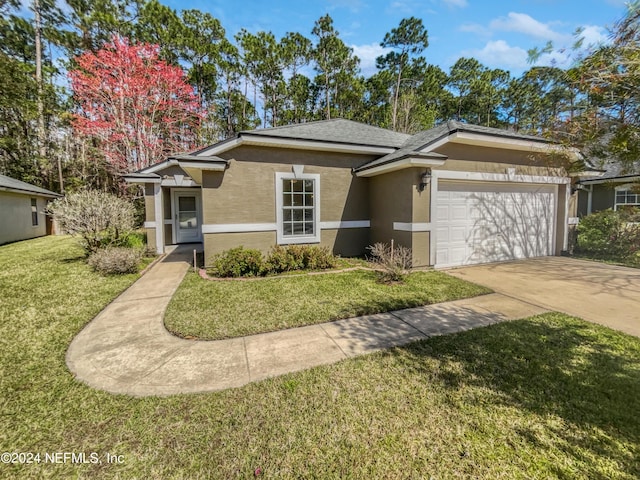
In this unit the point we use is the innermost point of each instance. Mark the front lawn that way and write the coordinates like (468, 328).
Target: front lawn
(223, 309)
(545, 397)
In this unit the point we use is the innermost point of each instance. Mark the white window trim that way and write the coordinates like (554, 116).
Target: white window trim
(280, 237)
(627, 189)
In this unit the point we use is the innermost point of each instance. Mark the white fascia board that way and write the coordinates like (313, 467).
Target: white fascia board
(141, 180)
(400, 165)
(260, 140)
(160, 166)
(215, 166)
(587, 174)
(483, 140)
(612, 180)
(219, 148)
(499, 177)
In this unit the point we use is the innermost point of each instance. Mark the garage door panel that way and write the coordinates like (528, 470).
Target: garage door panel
(479, 222)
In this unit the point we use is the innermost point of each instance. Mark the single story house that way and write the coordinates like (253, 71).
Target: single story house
(456, 194)
(616, 186)
(22, 208)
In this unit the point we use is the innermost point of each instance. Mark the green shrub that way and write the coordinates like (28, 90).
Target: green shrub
(609, 235)
(115, 260)
(238, 262)
(280, 259)
(298, 257)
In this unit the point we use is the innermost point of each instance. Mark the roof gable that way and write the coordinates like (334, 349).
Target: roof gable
(18, 186)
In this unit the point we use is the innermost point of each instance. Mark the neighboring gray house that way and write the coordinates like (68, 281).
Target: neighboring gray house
(22, 210)
(613, 188)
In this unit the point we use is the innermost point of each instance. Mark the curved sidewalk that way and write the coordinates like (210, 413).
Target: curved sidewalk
(127, 350)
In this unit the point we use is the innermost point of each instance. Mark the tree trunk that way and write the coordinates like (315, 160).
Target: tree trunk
(42, 134)
(394, 114)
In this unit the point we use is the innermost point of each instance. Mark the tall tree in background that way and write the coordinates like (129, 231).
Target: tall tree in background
(409, 38)
(138, 107)
(335, 63)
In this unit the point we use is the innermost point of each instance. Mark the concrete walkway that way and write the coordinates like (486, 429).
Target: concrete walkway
(127, 350)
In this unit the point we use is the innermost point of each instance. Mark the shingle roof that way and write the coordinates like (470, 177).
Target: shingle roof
(336, 131)
(417, 142)
(613, 169)
(13, 184)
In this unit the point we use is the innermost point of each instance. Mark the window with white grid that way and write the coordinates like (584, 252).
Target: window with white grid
(627, 197)
(297, 205)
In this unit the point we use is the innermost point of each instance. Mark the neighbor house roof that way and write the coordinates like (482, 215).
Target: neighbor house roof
(615, 171)
(17, 186)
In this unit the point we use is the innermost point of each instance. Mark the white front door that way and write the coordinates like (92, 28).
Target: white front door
(479, 222)
(187, 217)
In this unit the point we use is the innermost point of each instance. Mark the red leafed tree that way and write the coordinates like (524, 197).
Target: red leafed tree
(137, 106)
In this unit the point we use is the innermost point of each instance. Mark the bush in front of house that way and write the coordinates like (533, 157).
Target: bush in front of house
(238, 262)
(99, 218)
(298, 257)
(244, 262)
(393, 262)
(609, 235)
(115, 260)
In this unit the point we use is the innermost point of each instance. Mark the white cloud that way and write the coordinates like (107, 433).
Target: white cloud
(367, 55)
(499, 54)
(475, 28)
(456, 3)
(593, 35)
(527, 25)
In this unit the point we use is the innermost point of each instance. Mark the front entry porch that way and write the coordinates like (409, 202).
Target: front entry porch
(177, 216)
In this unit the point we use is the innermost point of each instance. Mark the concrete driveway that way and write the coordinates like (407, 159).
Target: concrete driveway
(597, 292)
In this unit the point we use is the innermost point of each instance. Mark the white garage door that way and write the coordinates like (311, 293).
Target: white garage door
(479, 222)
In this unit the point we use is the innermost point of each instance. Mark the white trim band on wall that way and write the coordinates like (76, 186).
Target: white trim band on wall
(271, 227)
(345, 224)
(149, 225)
(238, 227)
(412, 227)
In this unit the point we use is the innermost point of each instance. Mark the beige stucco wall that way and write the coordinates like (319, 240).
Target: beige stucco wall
(395, 197)
(15, 217)
(246, 193)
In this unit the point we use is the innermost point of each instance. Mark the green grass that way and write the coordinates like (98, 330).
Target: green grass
(633, 262)
(545, 397)
(223, 309)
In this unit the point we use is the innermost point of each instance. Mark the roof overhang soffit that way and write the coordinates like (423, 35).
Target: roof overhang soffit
(400, 164)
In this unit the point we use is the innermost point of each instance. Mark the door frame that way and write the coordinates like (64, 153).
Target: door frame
(197, 192)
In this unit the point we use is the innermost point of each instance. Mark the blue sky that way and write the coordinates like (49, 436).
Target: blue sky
(498, 33)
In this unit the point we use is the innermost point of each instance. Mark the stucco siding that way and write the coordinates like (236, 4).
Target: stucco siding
(15, 217)
(455, 164)
(245, 193)
(604, 196)
(151, 238)
(486, 157)
(219, 242)
(149, 205)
